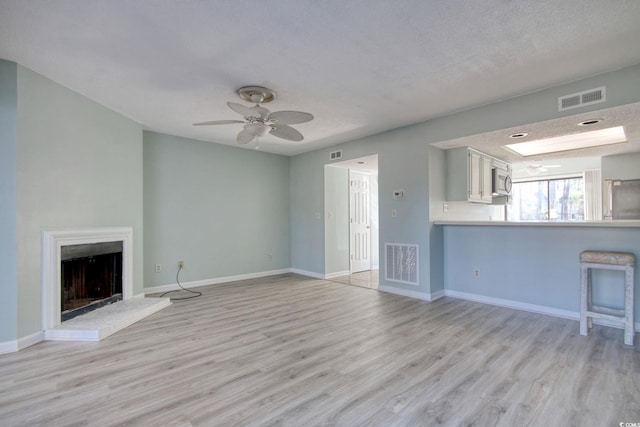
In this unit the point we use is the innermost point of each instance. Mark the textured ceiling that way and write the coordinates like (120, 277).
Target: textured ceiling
(492, 143)
(359, 66)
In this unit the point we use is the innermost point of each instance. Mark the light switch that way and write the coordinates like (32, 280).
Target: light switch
(394, 213)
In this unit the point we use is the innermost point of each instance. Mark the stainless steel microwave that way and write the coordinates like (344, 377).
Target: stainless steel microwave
(501, 181)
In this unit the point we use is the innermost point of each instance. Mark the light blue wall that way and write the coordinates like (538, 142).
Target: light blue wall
(622, 166)
(375, 221)
(306, 186)
(623, 87)
(403, 163)
(534, 265)
(223, 210)
(8, 242)
(79, 165)
(437, 170)
(336, 219)
(540, 265)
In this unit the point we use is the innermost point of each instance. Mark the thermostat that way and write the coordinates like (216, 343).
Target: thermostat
(398, 194)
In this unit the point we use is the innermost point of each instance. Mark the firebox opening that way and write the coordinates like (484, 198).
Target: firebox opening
(91, 277)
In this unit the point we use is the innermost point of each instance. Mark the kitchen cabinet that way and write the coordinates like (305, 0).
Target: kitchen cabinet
(468, 175)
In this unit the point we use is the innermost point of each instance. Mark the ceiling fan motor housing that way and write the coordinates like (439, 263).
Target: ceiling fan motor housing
(256, 94)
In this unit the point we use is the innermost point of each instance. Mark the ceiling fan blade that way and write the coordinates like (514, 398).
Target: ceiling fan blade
(261, 111)
(290, 117)
(218, 122)
(241, 109)
(286, 132)
(244, 137)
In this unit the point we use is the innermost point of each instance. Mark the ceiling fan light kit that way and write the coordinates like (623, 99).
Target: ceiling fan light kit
(259, 121)
(257, 129)
(256, 94)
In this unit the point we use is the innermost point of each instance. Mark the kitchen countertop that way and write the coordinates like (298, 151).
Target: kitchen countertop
(609, 223)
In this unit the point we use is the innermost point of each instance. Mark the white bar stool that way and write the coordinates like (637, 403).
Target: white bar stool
(609, 261)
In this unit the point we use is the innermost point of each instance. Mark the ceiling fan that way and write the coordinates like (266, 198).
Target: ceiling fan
(536, 168)
(258, 121)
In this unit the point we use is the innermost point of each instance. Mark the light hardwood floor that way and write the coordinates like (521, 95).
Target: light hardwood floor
(289, 350)
(364, 279)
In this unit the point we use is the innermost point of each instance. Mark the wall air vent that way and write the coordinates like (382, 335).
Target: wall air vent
(401, 263)
(335, 155)
(582, 99)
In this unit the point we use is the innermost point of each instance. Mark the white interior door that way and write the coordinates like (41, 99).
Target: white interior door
(359, 221)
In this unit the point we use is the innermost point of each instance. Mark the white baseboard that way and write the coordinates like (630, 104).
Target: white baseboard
(533, 308)
(437, 295)
(214, 281)
(30, 340)
(337, 274)
(8, 347)
(424, 296)
(307, 273)
(218, 280)
(20, 343)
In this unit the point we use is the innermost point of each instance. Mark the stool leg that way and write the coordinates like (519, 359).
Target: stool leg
(583, 299)
(628, 307)
(589, 296)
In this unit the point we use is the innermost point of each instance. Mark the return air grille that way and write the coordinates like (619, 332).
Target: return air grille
(402, 263)
(581, 99)
(335, 155)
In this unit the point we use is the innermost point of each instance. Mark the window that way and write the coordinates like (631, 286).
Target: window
(547, 200)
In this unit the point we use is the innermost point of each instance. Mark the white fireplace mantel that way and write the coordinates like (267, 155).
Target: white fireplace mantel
(52, 242)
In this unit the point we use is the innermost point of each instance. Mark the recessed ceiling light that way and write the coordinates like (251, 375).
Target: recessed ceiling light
(590, 122)
(518, 135)
(574, 141)
(361, 163)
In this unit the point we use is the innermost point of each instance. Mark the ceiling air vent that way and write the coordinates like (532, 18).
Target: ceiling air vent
(335, 155)
(581, 99)
(402, 263)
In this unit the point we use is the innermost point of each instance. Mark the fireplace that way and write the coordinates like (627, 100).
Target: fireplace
(86, 267)
(91, 277)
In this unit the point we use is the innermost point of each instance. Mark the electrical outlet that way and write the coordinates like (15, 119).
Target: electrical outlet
(180, 264)
(476, 272)
(158, 268)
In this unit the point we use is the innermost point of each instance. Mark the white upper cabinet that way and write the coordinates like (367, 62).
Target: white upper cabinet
(468, 175)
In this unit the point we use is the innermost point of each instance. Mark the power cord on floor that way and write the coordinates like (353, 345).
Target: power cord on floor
(197, 294)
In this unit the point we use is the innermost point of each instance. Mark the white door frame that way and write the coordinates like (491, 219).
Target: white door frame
(359, 221)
